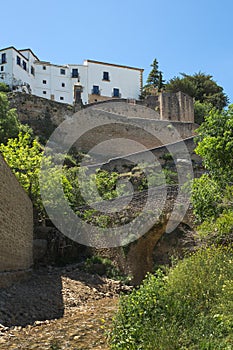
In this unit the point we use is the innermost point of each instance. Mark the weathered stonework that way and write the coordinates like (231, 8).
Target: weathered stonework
(16, 228)
(42, 115)
(176, 107)
(97, 98)
(171, 106)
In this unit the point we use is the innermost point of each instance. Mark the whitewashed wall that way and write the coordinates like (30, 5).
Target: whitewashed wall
(125, 79)
(48, 82)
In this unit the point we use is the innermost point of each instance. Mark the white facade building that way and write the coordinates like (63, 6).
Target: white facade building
(90, 82)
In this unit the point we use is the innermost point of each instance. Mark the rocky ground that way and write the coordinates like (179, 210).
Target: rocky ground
(58, 308)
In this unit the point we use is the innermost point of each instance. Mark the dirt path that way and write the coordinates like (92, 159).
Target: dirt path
(58, 309)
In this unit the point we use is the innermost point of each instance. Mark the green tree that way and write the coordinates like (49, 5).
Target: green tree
(212, 193)
(9, 124)
(23, 154)
(153, 77)
(215, 145)
(201, 110)
(154, 81)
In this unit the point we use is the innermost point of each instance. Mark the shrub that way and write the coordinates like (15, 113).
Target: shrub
(94, 263)
(188, 308)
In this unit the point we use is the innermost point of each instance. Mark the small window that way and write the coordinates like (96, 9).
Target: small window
(44, 67)
(96, 90)
(44, 81)
(116, 92)
(106, 76)
(24, 65)
(18, 61)
(3, 58)
(62, 71)
(32, 70)
(63, 84)
(44, 92)
(74, 73)
(2, 68)
(61, 98)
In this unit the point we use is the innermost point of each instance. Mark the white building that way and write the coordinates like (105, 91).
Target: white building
(92, 81)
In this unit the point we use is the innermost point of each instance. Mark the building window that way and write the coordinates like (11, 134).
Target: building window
(74, 73)
(44, 92)
(2, 68)
(116, 92)
(44, 82)
(62, 71)
(18, 61)
(63, 84)
(106, 76)
(3, 58)
(96, 90)
(44, 67)
(24, 65)
(32, 70)
(61, 98)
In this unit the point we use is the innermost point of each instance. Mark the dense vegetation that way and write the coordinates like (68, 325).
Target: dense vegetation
(189, 306)
(212, 194)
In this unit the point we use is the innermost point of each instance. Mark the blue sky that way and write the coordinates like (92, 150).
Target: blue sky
(185, 36)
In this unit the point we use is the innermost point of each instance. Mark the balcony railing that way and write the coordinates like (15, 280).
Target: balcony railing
(116, 95)
(74, 75)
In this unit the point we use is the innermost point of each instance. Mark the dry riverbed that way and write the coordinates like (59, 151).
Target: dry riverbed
(58, 309)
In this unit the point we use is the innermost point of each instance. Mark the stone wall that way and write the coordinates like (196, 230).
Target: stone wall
(41, 114)
(171, 106)
(124, 120)
(146, 132)
(176, 107)
(16, 228)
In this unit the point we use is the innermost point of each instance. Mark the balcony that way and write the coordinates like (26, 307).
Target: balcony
(116, 94)
(75, 75)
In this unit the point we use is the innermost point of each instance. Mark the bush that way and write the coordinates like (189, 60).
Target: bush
(4, 88)
(189, 308)
(104, 266)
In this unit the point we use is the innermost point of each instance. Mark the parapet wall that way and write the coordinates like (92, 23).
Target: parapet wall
(150, 133)
(168, 115)
(16, 228)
